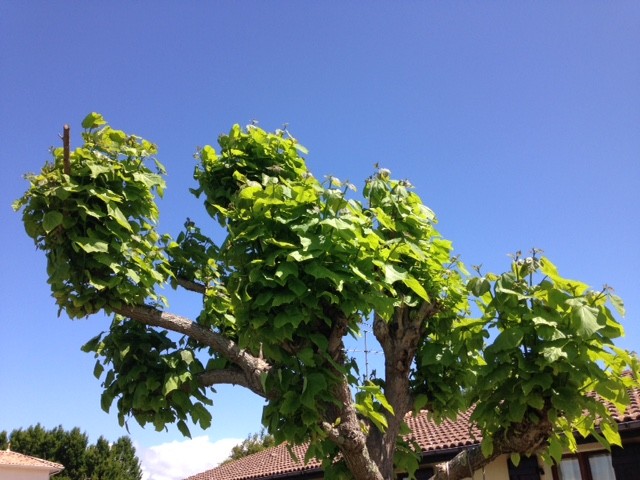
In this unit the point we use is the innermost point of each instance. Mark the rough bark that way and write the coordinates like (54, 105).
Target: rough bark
(350, 439)
(191, 285)
(525, 438)
(342, 425)
(230, 376)
(399, 339)
(252, 367)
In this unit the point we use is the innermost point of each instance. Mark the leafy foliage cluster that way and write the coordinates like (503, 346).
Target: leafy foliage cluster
(298, 250)
(96, 224)
(71, 448)
(150, 378)
(554, 337)
(303, 264)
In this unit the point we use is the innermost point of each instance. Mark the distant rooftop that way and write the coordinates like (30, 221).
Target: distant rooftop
(9, 458)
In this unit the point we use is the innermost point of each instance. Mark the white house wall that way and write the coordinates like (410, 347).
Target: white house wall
(17, 473)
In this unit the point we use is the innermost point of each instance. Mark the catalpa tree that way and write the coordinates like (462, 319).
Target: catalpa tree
(302, 266)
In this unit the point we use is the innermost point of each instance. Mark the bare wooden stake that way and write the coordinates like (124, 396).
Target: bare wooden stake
(65, 143)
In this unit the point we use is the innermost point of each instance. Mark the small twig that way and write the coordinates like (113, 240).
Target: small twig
(65, 144)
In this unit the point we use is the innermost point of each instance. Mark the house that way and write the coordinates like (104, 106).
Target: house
(16, 466)
(441, 442)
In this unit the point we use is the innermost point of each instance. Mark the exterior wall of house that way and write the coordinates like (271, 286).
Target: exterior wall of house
(496, 470)
(499, 470)
(8, 472)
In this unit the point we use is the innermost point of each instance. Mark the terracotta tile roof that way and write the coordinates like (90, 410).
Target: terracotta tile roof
(432, 436)
(16, 459)
(277, 463)
(269, 463)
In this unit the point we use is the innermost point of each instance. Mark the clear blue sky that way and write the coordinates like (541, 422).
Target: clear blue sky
(518, 123)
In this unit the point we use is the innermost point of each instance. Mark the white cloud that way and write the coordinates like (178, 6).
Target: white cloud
(178, 460)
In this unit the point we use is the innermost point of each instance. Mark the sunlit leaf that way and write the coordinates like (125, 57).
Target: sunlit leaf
(51, 220)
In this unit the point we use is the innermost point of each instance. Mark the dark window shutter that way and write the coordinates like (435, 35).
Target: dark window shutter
(527, 469)
(626, 461)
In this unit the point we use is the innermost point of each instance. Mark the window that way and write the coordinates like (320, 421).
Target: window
(585, 466)
(601, 466)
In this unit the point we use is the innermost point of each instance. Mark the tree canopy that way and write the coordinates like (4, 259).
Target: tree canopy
(303, 263)
(71, 448)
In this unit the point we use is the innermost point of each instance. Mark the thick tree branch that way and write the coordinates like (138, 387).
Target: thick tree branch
(252, 367)
(191, 285)
(229, 376)
(342, 424)
(399, 339)
(524, 438)
(349, 438)
(336, 335)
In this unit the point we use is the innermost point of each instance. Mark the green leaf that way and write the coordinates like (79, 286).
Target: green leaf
(98, 369)
(249, 192)
(170, 384)
(393, 274)
(508, 339)
(299, 257)
(555, 449)
(610, 432)
(380, 398)
(321, 341)
(296, 286)
(617, 303)
(186, 356)
(487, 446)
(106, 399)
(317, 270)
(133, 275)
(184, 430)
(479, 286)
(585, 318)
(51, 220)
(118, 216)
(414, 285)
(378, 419)
(316, 384)
(421, 401)
(93, 120)
(97, 169)
(285, 269)
(117, 136)
(300, 148)
(263, 380)
(91, 245)
(283, 299)
(384, 219)
(516, 411)
(552, 354)
(92, 345)
(202, 415)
